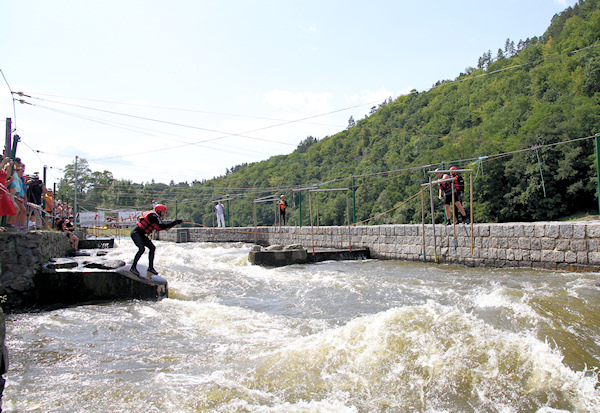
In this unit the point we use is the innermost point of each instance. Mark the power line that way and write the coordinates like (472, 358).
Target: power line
(176, 109)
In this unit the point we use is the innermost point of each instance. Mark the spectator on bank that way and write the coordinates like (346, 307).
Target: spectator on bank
(17, 191)
(66, 227)
(220, 210)
(282, 203)
(49, 208)
(32, 224)
(35, 192)
(7, 207)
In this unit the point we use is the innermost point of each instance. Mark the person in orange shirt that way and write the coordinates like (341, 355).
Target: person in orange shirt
(48, 206)
(282, 203)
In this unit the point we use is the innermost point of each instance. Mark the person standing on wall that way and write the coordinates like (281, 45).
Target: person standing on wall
(220, 214)
(459, 187)
(446, 193)
(149, 222)
(282, 207)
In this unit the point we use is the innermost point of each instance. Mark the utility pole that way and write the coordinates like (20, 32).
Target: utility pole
(300, 209)
(7, 149)
(353, 201)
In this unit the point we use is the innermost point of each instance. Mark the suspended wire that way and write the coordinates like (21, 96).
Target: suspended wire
(224, 134)
(141, 131)
(179, 109)
(13, 102)
(196, 143)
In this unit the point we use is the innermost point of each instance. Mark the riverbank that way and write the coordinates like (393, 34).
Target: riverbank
(571, 246)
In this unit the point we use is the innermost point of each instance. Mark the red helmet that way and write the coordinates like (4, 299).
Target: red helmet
(454, 168)
(160, 207)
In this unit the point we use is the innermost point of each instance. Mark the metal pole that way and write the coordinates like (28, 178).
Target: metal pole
(16, 140)
(300, 208)
(453, 214)
(317, 198)
(471, 212)
(353, 201)
(349, 228)
(433, 221)
(8, 136)
(255, 226)
(228, 208)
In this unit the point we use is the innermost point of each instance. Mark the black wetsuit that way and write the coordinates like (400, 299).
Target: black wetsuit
(142, 240)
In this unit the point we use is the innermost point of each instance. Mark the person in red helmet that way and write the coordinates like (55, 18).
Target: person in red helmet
(459, 188)
(149, 222)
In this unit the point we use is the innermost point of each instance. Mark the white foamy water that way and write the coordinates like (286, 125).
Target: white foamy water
(356, 336)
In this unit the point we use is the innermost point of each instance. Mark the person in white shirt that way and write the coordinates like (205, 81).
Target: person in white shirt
(220, 214)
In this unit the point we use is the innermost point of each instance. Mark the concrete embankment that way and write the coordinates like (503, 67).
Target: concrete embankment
(21, 257)
(35, 273)
(572, 246)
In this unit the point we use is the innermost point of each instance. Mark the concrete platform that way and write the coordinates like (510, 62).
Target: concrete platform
(80, 280)
(301, 256)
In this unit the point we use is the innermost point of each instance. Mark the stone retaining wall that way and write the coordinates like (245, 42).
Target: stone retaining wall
(21, 258)
(573, 246)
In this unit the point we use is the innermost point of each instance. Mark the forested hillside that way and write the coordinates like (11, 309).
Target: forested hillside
(523, 119)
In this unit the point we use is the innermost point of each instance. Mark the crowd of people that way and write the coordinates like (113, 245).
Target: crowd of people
(26, 203)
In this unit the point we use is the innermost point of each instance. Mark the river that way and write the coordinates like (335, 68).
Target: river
(355, 336)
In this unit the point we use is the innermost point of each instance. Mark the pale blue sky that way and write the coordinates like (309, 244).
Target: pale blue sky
(238, 71)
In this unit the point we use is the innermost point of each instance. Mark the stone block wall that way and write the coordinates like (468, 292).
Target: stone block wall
(573, 246)
(21, 257)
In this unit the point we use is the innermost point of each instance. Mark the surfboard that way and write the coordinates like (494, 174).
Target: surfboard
(144, 276)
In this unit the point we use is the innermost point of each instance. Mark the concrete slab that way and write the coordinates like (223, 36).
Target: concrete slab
(301, 256)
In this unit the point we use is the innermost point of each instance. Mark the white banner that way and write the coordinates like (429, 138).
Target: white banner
(128, 217)
(90, 219)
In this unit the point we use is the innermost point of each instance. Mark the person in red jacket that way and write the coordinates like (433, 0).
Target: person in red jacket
(149, 222)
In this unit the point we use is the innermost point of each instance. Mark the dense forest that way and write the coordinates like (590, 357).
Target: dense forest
(524, 120)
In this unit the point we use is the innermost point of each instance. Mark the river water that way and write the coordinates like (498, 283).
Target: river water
(355, 336)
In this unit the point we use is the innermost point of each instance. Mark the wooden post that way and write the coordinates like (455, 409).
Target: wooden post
(349, 228)
(471, 211)
(312, 232)
(433, 221)
(317, 202)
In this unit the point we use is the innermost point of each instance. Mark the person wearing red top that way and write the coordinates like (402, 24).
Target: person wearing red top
(149, 222)
(6, 204)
